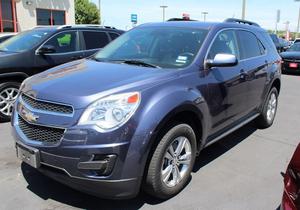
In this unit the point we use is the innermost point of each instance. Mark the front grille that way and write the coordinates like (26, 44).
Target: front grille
(47, 106)
(40, 133)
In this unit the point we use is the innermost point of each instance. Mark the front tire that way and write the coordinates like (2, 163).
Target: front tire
(172, 162)
(266, 119)
(8, 95)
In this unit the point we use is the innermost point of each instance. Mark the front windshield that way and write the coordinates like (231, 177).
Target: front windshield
(23, 41)
(294, 47)
(161, 47)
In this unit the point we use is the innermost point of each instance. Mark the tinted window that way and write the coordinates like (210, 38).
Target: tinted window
(113, 36)
(50, 17)
(43, 17)
(58, 17)
(249, 44)
(23, 41)
(169, 47)
(6, 10)
(64, 42)
(295, 47)
(95, 40)
(226, 43)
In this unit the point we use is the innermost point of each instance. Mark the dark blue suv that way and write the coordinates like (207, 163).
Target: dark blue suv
(136, 115)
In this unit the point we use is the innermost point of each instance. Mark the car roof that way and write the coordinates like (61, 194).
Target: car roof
(203, 25)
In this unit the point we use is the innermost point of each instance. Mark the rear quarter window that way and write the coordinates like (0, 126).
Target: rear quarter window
(250, 45)
(95, 39)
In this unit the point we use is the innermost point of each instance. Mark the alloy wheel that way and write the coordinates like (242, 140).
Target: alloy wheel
(272, 106)
(176, 161)
(8, 97)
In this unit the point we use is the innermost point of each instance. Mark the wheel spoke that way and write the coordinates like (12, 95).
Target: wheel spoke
(167, 173)
(181, 144)
(185, 159)
(171, 150)
(169, 156)
(176, 175)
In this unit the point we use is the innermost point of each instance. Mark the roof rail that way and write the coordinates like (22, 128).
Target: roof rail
(234, 20)
(85, 25)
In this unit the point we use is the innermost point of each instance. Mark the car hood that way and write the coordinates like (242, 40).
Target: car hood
(290, 55)
(82, 82)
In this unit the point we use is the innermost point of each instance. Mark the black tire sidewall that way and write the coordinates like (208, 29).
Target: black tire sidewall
(3, 86)
(161, 190)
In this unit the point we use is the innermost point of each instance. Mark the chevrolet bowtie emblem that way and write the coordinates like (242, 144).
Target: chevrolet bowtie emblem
(28, 115)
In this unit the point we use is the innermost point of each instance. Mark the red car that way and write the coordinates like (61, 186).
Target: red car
(291, 195)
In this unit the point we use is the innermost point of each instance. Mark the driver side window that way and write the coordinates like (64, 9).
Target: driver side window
(226, 43)
(64, 42)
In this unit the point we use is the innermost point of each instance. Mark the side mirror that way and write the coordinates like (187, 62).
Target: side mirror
(46, 49)
(222, 60)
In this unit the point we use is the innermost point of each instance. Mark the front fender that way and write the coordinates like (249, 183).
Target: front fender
(156, 108)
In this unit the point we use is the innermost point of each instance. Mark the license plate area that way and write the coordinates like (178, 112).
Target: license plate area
(28, 155)
(293, 65)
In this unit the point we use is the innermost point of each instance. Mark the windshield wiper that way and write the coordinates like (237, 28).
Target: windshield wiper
(138, 63)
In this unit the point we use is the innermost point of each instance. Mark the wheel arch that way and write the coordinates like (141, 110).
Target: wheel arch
(13, 77)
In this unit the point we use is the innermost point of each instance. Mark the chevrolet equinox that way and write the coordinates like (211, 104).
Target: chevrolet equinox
(136, 115)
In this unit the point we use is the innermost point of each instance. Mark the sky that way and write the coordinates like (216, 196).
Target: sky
(117, 12)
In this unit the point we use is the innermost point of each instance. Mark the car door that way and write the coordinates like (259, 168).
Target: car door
(66, 48)
(254, 64)
(93, 41)
(227, 90)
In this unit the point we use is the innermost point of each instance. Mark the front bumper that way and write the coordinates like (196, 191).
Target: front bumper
(109, 170)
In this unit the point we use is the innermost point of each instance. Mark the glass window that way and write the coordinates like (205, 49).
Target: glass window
(50, 17)
(64, 42)
(43, 17)
(249, 44)
(8, 20)
(6, 6)
(224, 43)
(23, 41)
(8, 26)
(58, 17)
(168, 47)
(95, 40)
(113, 36)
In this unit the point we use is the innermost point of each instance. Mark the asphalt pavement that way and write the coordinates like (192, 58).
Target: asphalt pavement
(241, 171)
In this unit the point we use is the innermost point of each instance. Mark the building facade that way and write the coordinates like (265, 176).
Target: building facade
(20, 15)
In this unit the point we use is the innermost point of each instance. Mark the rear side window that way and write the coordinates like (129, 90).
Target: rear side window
(250, 45)
(113, 36)
(224, 43)
(95, 40)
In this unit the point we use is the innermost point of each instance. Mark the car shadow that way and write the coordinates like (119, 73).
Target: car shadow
(47, 188)
(217, 149)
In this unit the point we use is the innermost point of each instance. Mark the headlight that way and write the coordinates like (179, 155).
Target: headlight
(111, 112)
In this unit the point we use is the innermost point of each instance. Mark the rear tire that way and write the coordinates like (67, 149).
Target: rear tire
(266, 118)
(172, 162)
(8, 95)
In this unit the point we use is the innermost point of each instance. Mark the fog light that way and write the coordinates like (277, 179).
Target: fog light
(102, 165)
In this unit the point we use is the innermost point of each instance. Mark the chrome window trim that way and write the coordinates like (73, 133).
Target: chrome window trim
(233, 29)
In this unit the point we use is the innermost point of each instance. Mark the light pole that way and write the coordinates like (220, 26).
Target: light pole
(99, 3)
(244, 10)
(204, 15)
(298, 23)
(164, 7)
